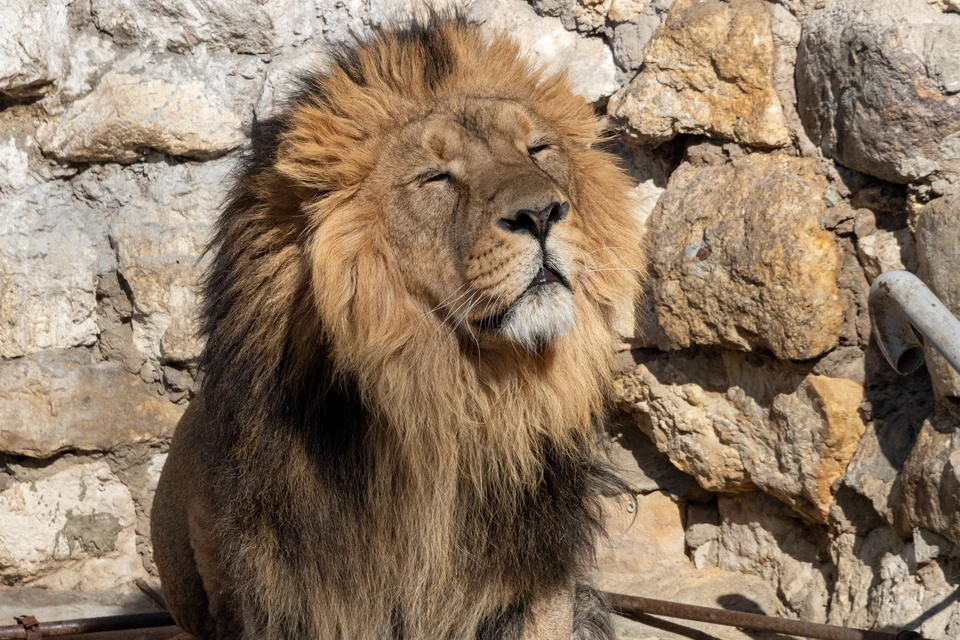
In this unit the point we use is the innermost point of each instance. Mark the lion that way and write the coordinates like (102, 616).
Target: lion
(409, 334)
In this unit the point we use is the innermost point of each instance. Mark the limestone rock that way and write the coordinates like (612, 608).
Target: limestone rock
(738, 258)
(930, 493)
(14, 167)
(71, 530)
(736, 425)
(62, 402)
(31, 39)
(245, 26)
(885, 250)
(630, 39)
(180, 106)
(938, 244)
(52, 248)
(160, 231)
(878, 84)
(588, 62)
(896, 408)
(760, 537)
(644, 468)
(708, 69)
(643, 555)
(885, 582)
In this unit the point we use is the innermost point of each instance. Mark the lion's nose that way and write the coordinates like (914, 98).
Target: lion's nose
(536, 222)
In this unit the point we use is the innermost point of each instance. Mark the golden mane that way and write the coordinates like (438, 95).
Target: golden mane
(330, 269)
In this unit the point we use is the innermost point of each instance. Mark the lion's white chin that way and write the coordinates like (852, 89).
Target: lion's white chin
(540, 317)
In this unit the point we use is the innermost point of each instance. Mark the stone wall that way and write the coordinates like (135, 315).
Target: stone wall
(786, 152)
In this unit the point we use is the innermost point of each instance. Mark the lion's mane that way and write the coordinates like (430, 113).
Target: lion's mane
(442, 471)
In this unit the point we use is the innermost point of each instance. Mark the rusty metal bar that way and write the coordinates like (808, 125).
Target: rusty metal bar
(634, 607)
(91, 625)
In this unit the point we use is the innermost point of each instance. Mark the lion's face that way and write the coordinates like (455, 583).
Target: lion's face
(478, 205)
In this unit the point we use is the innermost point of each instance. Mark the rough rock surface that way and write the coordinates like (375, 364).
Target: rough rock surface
(159, 232)
(30, 39)
(930, 492)
(938, 248)
(878, 84)
(760, 537)
(71, 530)
(52, 246)
(244, 26)
(736, 425)
(49, 404)
(178, 107)
(654, 522)
(738, 259)
(708, 70)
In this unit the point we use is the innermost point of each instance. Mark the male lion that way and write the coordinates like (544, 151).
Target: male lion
(408, 322)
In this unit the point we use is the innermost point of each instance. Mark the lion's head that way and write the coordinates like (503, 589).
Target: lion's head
(432, 218)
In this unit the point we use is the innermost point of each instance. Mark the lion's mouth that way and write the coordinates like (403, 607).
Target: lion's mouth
(545, 277)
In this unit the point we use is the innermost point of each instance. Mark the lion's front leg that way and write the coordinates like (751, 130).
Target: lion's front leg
(578, 613)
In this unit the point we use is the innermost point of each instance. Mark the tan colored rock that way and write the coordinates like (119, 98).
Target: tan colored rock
(885, 582)
(761, 537)
(930, 490)
(885, 250)
(652, 522)
(687, 422)
(644, 555)
(877, 84)
(707, 70)
(737, 425)
(738, 258)
(837, 403)
(71, 530)
(127, 114)
(938, 240)
(626, 10)
(61, 402)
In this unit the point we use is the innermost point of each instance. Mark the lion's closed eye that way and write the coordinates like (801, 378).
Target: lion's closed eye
(538, 148)
(434, 177)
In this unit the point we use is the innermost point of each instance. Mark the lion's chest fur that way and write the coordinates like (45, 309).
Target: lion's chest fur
(345, 518)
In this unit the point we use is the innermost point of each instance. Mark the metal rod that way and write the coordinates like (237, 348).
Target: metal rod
(92, 625)
(900, 302)
(636, 607)
(633, 607)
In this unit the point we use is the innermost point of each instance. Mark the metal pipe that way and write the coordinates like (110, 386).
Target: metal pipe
(636, 607)
(900, 302)
(633, 607)
(91, 625)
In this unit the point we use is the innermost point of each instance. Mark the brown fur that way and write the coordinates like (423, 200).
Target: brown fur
(367, 460)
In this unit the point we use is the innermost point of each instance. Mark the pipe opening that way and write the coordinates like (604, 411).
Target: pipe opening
(910, 360)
